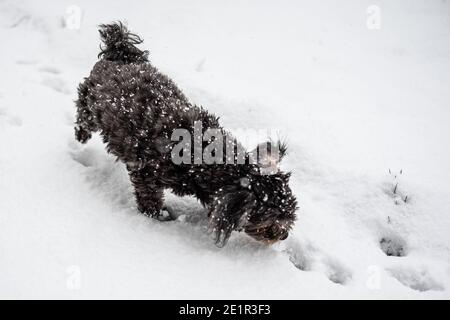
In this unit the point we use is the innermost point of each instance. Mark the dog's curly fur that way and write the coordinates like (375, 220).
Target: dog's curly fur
(136, 108)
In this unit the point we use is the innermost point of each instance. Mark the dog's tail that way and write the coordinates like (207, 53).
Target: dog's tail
(119, 44)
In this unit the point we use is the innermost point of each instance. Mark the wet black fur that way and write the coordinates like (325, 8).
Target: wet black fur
(135, 108)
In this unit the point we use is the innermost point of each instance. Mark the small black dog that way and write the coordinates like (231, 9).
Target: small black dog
(136, 110)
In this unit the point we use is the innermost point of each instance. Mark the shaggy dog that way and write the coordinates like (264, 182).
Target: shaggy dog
(136, 109)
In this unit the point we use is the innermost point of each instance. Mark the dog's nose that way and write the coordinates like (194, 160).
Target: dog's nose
(284, 236)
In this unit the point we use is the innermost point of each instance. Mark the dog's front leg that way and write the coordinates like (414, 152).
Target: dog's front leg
(148, 190)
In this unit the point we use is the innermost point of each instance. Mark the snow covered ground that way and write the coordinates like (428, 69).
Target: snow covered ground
(356, 89)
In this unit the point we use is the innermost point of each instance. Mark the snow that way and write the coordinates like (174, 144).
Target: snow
(353, 103)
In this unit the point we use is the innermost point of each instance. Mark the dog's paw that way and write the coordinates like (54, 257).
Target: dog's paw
(160, 215)
(82, 135)
(164, 216)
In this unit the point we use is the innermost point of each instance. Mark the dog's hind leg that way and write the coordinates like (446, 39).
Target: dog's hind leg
(148, 191)
(85, 124)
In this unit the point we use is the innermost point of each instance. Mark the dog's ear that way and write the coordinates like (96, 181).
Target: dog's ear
(269, 154)
(229, 211)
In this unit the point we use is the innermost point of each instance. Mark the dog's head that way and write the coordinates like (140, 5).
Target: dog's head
(261, 205)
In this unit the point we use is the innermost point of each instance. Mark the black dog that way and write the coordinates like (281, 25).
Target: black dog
(136, 110)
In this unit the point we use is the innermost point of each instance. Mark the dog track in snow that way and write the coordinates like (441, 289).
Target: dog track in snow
(393, 246)
(26, 62)
(337, 272)
(390, 242)
(5, 117)
(84, 156)
(56, 83)
(49, 69)
(420, 280)
(308, 258)
(102, 173)
(301, 256)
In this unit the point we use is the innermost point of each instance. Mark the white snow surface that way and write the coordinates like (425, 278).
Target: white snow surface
(352, 103)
